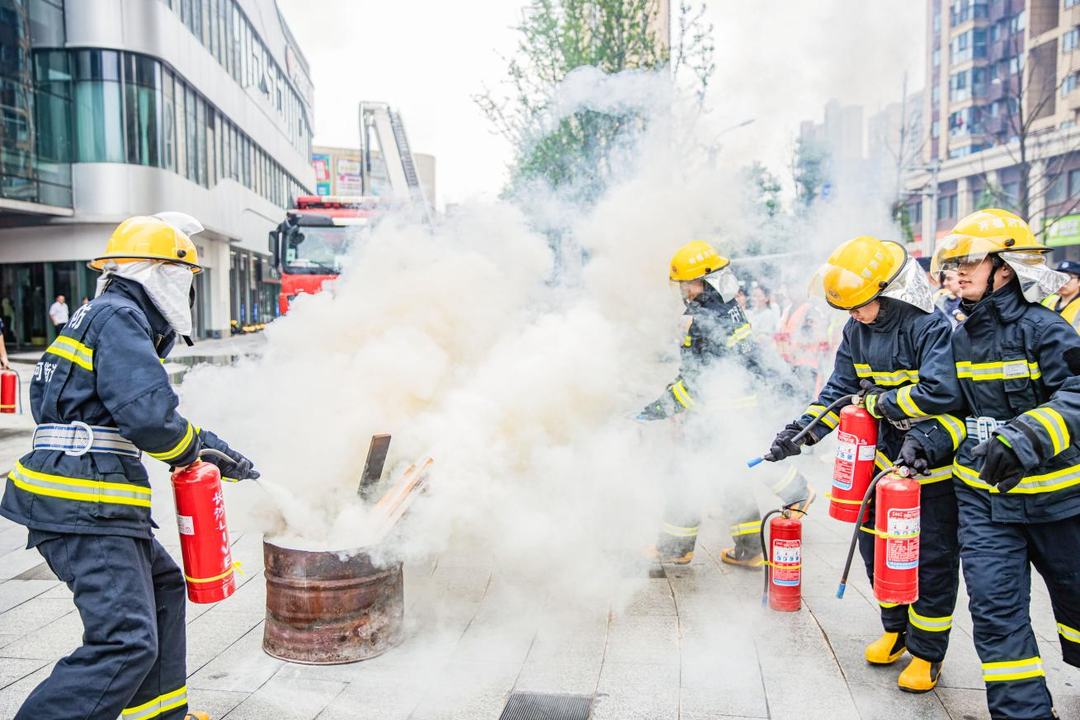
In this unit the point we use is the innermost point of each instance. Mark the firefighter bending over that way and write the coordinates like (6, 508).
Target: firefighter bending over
(895, 351)
(717, 329)
(1018, 472)
(101, 398)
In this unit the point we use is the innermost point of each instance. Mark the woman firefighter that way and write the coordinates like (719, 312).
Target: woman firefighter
(1018, 471)
(895, 351)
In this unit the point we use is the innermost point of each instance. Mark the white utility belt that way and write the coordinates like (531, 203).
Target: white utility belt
(78, 438)
(983, 427)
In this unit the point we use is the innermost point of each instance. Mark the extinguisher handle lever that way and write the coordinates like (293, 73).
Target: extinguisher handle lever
(216, 453)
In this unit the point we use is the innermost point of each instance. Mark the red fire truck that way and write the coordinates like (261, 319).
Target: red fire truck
(308, 248)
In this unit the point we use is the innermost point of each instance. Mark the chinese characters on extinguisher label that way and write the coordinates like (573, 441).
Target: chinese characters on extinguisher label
(186, 524)
(849, 450)
(902, 543)
(787, 562)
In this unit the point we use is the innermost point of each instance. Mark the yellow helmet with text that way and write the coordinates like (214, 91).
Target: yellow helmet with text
(983, 233)
(164, 237)
(858, 271)
(695, 260)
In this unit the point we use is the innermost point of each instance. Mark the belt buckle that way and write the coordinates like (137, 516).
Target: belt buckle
(904, 424)
(985, 426)
(76, 424)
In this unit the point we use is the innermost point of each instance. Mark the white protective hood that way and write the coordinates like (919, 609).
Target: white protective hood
(167, 284)
(911, 286)
(1037, 279)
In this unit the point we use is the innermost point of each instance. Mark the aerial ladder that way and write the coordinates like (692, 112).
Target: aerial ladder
(381, 128)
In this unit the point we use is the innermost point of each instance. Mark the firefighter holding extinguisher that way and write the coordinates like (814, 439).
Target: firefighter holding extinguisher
(1018, 472)
(101, 398)
(895, 351)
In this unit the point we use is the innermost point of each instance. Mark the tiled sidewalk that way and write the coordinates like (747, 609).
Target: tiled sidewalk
(692, 643)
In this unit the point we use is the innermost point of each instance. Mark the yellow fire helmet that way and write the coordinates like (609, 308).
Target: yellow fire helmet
(695, 260)
(164, 236)
(858, 271)
(982, 233)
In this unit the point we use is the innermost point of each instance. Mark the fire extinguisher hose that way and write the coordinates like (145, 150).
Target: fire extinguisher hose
(858, 528)
(806, 430)
(765, 551)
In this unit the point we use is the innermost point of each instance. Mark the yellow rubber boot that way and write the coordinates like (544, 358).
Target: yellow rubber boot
(654, 554)
(887, 649)
(919, 676)
(732, 557)
(197, 716)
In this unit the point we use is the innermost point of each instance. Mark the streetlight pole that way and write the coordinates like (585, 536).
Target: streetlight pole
(714, 149)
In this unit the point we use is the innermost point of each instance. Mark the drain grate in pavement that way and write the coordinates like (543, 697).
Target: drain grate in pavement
(546, 706)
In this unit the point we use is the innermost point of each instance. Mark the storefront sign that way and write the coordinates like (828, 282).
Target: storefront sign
(1062, 231)
(348, 177)
(321, 163)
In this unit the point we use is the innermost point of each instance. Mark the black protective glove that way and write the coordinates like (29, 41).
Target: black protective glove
(1001, 467)
(870, 394)
(652, 411)
(913, 456)
(783, 446)
(237, 468)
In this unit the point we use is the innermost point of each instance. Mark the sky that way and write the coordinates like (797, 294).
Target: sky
(778, 63)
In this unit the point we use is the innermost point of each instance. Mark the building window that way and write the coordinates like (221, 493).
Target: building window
(1069, 83)
(937, 20)
(995, 31)
(1011, 193)
(1056, 189)
(98, 113)
(1070, 40)
(946, 207)
(937, 57)
(1070, 3)
(935, 94)
(1018, 22)
(960, 86)
(967, 45)
(935, 129)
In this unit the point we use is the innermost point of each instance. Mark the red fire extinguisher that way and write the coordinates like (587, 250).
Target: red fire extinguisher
(782, 550)
(10, 391)
(896, 542)
(856, 449)
(204, 535)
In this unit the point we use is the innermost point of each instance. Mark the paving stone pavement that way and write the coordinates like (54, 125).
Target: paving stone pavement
(687, 643)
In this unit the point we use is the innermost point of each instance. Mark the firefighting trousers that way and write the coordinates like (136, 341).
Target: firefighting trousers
(682, 515)
(928, 620)
(997, 568)
(132, 663)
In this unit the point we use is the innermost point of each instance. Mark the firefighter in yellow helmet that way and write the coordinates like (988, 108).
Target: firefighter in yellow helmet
(895, 351)
(102, 398)
(716, 330)
(1066, 301)
(1018, 471)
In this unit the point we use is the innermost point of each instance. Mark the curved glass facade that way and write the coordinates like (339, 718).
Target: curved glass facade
(134, 109)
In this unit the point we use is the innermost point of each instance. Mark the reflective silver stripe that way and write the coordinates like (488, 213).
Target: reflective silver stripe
(1013, 670)
(936, 475)
(160, 704)
(746, 528)
(50, 436)
(929, 624)
(79, 489)
(676, 531)
(1068, 633)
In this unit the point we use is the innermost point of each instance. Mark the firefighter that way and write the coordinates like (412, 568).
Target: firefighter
(895, 351)
(716, 329)
(101, 398)
(1066, 301)
(1018, 471)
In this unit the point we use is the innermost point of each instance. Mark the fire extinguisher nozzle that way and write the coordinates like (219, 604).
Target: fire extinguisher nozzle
(840, 591)
(755, 462)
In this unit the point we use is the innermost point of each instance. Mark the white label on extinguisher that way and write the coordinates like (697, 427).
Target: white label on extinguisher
(844, 468)
(902, 544)
(186, 524)
(867, 452)
(786, 559)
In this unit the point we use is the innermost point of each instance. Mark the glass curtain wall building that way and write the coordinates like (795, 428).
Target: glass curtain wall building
(100, 124)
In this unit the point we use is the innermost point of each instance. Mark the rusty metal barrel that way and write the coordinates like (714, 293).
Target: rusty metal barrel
(328, 608)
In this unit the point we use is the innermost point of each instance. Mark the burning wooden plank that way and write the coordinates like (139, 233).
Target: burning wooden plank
(401, 495)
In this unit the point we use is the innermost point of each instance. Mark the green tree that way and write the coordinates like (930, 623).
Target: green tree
(763, 190)
(809, 170)
(580, 150)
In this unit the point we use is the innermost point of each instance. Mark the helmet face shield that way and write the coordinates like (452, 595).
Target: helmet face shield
(955, 251)
(182, 222)
(857, 272)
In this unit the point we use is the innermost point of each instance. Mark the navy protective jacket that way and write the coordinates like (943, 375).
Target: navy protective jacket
(1011, 358)
(907, 352)
(105, 369)
(715, 330)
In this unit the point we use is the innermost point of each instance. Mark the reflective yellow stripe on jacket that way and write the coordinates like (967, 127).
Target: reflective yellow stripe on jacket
(956, 428)
(907, 403)
(682, 394)
(831, 419)
(1051, 420)
(886, 378)
(1001, 370)
(79, 489)
(1030, 485)
(73, 350)
(179, 448)
(740, 333)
